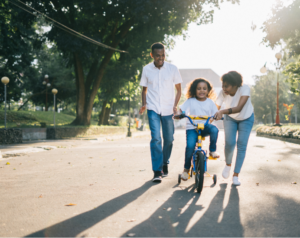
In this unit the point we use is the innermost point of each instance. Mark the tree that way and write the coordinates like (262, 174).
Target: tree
(284, 24)
(120, 24)
(49, 61)
(263, 97)
(17, 41)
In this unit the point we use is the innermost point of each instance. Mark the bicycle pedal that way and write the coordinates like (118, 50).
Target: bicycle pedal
(212, 158)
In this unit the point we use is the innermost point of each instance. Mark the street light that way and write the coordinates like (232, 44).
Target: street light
(54, 91)
(278, 57)
(46, 82)
(5, 81)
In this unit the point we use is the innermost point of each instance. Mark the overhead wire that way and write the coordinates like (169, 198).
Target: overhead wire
(65, 28)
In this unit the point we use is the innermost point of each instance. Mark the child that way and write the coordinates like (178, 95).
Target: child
(199, 103)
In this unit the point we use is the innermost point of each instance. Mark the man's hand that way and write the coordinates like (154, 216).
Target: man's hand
(174, 110)
(218, 115)
(143, 108)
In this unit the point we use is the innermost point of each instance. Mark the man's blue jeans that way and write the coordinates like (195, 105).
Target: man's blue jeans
(192, 138)
(160, 155)
(243, 129)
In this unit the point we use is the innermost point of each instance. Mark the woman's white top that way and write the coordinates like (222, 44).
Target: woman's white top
(194, 107)
(233, 101)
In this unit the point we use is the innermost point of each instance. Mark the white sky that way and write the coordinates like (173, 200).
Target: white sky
(228, 43)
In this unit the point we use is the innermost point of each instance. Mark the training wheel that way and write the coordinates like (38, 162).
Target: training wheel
(179, 178)
(215, 178)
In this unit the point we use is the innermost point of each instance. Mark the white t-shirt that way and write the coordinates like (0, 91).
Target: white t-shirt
(233, 101)
(160, 85)
(194, 107)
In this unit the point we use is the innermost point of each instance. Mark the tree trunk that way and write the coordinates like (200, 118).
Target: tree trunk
(85, 102)
(107, 113)
(102, 113)
(80, 105)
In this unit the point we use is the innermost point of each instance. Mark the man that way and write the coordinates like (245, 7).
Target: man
(158, 80)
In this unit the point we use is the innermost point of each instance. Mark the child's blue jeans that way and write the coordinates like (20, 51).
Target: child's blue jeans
(192, 138)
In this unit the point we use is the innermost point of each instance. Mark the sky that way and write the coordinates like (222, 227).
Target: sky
(228, 43)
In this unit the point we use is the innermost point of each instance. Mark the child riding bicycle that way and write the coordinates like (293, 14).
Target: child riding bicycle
(200, 94)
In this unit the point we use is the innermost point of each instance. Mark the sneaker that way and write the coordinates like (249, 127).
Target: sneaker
(157, 177)
(165, 172)
(235, 181)
(184, 176)
(226, 172)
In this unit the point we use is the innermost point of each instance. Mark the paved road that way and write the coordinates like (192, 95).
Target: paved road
(108, 181)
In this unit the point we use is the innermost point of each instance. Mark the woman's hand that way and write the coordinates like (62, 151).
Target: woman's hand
(218, 115)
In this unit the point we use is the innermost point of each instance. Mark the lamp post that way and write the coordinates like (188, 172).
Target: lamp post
(47, 84)
(5, 81)
(54, 91)
(263, 70)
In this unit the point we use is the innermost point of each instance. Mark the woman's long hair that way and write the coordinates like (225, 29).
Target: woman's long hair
(192, 87)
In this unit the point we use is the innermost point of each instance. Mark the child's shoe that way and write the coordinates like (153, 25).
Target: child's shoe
(184, 176)
(214, 154)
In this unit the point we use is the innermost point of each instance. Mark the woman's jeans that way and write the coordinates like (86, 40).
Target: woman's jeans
(192, 138)
(160, 155)
(243, 129)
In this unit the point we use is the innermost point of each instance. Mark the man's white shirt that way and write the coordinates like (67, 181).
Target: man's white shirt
(160, 87)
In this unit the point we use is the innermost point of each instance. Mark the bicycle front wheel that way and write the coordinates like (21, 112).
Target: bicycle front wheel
(199, 178)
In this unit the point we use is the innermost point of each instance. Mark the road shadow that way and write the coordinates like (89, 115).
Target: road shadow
(174, 217)
(77, 224)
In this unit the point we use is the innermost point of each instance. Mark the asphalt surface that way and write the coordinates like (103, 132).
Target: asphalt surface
(107, 185)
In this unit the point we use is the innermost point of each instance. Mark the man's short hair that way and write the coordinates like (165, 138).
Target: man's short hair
(157, 45)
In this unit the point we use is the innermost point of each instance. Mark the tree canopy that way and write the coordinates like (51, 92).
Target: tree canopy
(127, 25)
(284, 24)
(17, 41)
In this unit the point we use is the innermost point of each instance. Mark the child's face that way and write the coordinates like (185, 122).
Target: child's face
(202, 91)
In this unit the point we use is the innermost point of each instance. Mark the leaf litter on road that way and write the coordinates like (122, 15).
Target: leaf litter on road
(70, 204)
(131, 220)
(131, 234)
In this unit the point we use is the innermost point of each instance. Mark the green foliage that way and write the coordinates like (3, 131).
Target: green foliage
(49, 61)
(284, 24)
(264, 97)
(292, 71)
(17, 41)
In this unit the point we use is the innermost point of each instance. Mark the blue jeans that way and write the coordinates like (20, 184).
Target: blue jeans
(160, 155)
(192, 138)
(243, 129)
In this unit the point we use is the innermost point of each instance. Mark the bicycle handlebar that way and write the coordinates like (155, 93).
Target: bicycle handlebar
(182, 115)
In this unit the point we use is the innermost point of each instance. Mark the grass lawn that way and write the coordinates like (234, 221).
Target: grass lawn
(34, 118)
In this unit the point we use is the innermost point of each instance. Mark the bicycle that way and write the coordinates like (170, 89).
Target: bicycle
(199, 165)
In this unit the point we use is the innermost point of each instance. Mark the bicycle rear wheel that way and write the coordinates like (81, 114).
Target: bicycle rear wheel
(199, 177)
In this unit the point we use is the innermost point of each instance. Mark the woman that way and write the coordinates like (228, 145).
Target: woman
(238, 119)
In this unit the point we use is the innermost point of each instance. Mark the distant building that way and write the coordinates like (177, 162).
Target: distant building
(189, 75)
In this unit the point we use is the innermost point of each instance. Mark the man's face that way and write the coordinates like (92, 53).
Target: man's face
(158, 56)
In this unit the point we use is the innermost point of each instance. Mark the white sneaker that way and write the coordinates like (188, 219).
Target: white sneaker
(226, 172)
(235, 181)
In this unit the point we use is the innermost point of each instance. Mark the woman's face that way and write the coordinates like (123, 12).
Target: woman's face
(202, 91)
(229, 89)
